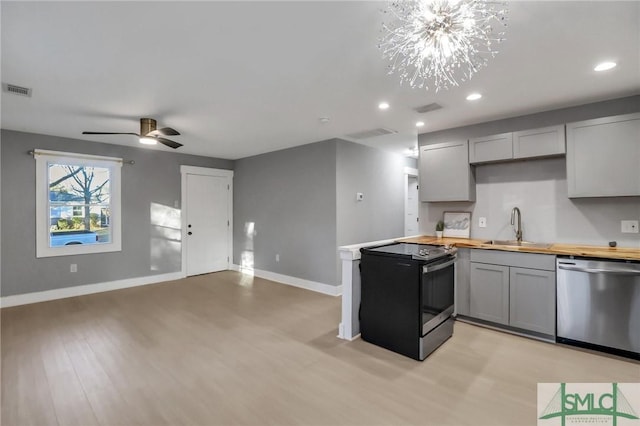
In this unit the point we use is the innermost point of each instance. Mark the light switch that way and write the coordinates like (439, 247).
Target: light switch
(482, 222)
(359, 196)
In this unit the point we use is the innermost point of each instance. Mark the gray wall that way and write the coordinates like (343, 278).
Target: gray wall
(538, 188)
(300, 204)
(288, 199)
(149, 186)
(379, 175)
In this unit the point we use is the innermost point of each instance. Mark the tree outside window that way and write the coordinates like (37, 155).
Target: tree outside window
(77, 203)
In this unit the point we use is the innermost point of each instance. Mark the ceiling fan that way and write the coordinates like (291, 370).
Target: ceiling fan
(148, 134)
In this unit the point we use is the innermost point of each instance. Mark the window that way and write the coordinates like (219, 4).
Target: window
(77, 203)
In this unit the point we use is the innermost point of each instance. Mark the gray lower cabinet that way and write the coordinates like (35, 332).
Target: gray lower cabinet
(532, 300)
(603, 155)
(489, 292)
(513, 289)
(462, 282)
(445, 173)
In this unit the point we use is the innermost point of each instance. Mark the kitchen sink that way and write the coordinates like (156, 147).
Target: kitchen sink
(516, 243)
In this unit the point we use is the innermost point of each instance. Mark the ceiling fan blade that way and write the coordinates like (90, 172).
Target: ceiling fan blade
(108, 133)
(169, 143)
(165, 131)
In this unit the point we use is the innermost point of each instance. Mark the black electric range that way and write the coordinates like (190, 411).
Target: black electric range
(407, 297)
(420, 252)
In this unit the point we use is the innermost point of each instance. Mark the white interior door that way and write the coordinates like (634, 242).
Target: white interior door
(207, 224)
(411, 224)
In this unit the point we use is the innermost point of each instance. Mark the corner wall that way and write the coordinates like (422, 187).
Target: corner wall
(284, 204)
(379, 175)
(149, 187)
(300, 204)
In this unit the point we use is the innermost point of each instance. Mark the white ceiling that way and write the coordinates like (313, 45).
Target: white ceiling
(243, 78)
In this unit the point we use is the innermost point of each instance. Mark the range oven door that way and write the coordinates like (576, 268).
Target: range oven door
(437, 293)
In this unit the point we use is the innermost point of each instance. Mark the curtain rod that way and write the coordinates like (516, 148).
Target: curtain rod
(131, 162)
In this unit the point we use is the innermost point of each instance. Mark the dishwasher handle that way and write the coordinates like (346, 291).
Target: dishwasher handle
(602, 270)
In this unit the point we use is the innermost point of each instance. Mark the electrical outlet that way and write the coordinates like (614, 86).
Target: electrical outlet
(482, 222)
(73, 267)
(277, 257)
(629, 226)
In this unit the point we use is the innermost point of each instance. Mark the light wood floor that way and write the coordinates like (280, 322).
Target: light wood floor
(227, 349)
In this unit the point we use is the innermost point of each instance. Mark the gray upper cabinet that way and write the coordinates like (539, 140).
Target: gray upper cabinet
(445, 174)
(491, 148)
(603, 157)
(543, 142)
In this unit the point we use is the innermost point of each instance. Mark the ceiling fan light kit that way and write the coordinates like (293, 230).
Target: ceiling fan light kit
(149, 135)
(148, 141)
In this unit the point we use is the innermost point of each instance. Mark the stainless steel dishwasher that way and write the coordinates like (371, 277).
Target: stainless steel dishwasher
(599, 304)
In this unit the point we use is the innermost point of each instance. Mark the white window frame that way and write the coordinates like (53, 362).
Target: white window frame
(43, 226)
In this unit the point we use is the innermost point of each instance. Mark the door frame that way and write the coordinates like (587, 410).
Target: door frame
(409, 171)
(205, 171)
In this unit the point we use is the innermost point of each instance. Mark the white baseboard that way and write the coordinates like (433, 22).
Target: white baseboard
(81, 290)
(342, 336)
(330, 290)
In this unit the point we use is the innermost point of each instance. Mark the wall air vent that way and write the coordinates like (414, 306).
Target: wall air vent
(16, 90)
(426, 108)
(371, 133)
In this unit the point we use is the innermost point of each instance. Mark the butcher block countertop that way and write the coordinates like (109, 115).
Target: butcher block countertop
(625, 253)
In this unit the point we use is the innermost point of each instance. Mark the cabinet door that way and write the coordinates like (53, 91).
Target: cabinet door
(491, 148)
(539, 142)
(445, 174)
(489, 292)
(532, 295)
(462, 282)
(603, 157)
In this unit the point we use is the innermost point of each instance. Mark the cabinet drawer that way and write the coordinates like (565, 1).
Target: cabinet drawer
(508, 258)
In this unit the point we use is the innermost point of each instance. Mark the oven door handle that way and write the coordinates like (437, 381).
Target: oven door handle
(432, 268)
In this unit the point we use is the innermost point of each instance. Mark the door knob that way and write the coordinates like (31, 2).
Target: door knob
(189, 233)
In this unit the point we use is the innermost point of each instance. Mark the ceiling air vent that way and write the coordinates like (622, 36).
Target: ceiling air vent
(426, 108)
(371, 133)
(16, 90)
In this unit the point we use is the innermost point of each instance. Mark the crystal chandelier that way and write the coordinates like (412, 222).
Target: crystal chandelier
(440, 43)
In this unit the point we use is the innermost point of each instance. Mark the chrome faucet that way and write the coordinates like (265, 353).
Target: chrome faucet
(519, 226)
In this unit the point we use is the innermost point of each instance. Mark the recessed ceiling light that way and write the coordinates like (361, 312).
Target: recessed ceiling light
(603, 66)
(148, 141)
(324, 120)
(420, 124)
(383, 105)
(474, 97)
